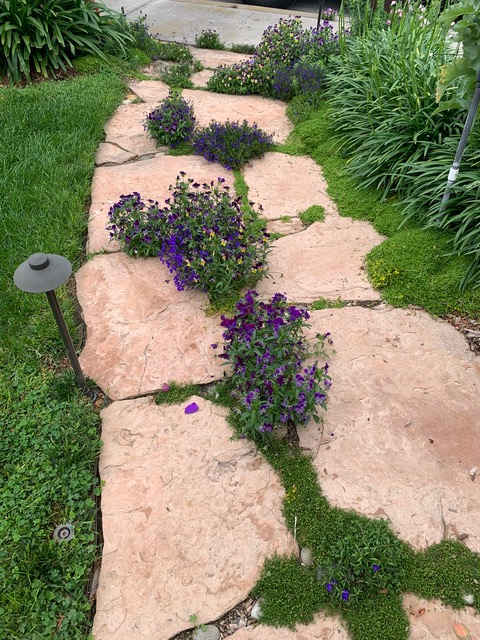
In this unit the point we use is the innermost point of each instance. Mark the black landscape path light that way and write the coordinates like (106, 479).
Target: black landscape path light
(43, 273)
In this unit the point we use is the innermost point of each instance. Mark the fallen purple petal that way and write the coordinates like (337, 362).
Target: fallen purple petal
(191, 408)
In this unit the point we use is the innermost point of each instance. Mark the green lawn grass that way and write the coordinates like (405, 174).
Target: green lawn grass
(49, 134)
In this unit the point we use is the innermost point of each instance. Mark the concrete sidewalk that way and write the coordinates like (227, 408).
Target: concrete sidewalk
(182, 20)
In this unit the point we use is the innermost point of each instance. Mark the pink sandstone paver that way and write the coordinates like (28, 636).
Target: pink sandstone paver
(432, 620)
(401, 433)
(141, 331)
(189, 516)
(151, 178)
(270, 115)
(125, 129)
(212, 59)
(150, 90)
(286, 185)
(322, 628)
(201, 78)
(109, 153)
(324, 261)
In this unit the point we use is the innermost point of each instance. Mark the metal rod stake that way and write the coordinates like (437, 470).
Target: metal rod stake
(67, 340)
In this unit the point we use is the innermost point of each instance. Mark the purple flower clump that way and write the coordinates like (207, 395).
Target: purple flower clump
(201, 235)
(265, 345)
(232, 144)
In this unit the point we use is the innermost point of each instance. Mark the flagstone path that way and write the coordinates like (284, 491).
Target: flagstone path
(189, 516)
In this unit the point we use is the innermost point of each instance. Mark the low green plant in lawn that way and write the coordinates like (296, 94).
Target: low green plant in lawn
(49, 134)
(47, 449)
(172, 122)
(209, 39)
(232, 144)
(44, 37)
(315, 213)
(201, 235)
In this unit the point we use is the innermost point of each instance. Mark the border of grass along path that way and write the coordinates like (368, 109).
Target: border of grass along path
(49, 134)
(426, 276)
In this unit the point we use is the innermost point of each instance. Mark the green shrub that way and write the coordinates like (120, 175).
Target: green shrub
(178, 75)
(209, 39)
(173, 52)
(43, 36)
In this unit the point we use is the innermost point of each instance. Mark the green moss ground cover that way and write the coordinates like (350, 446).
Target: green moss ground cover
(49, 134)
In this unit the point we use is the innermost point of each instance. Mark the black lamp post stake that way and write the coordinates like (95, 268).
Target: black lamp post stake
(43, 273)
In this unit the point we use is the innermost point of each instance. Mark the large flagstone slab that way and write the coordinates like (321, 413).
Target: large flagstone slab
(211, 58)
(150, 90)
(151, 178)
(141, 331)
(324, 261)
(322, 628)
(286, 185)
(270, 115)
(432, 620)
(402, 430)
(189, 517)
(125, 129)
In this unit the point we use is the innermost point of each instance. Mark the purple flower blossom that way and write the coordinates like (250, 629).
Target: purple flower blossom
(345, 595)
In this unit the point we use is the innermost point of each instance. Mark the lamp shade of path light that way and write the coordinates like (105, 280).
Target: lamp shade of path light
(43, 273)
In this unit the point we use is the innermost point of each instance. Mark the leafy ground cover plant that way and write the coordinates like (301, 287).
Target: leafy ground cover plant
(43, 37)
(365, 560)
(178, 75)
(172, 122)
(232, 144)
(265, 343)
(49, 134)
(209, 39)
(201, 235)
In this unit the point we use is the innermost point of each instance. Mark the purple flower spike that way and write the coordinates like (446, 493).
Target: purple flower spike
(191, 408)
